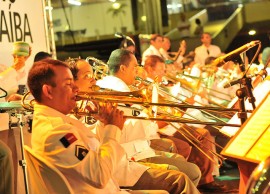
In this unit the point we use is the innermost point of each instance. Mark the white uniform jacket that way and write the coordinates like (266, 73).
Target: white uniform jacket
(128, 172)
(151, 50)
(8, 80)
(135, 132)
(202, 52)
(144, 129)
(86, 162)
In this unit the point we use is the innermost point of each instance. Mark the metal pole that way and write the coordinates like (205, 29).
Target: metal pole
(22, 162)
(49, 29)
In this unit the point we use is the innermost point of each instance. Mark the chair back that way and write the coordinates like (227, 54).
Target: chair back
(43, 177)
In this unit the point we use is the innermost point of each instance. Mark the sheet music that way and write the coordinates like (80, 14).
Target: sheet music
(252, 142)
(261, 148)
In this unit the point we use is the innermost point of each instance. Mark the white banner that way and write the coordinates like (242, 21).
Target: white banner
(21, 20)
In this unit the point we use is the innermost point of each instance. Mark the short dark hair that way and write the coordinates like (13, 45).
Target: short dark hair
(42, 55)
(118, 57)
(42, 72)
(152, 60)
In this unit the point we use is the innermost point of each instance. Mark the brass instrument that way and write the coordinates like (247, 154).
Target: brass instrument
(137, 97)
(141, 97)
(164, 91)
(100, 68)
(194, 85)
(259, 180)
(130, 99)
(27, 106)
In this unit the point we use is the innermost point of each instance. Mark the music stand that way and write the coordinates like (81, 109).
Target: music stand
(250, 145)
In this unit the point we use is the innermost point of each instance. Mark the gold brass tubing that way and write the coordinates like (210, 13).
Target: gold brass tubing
(220, 158)
(194, 78)
(28, 106)
(145, 103)
(189, 129)
(199, 106)
(166, 92)
(166, 119)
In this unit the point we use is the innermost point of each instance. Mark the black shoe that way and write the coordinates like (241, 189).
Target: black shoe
(212, 187)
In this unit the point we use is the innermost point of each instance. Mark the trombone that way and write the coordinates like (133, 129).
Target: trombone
(195, 86)
(140, 97)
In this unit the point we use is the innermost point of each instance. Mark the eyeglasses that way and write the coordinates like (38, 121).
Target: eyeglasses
(88, 76)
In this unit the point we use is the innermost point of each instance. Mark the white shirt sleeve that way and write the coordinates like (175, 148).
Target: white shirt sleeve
(8, 79)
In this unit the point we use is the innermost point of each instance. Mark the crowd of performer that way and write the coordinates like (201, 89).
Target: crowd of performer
(107, 153)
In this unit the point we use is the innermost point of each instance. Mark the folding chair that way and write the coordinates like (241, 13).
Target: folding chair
(43, 177)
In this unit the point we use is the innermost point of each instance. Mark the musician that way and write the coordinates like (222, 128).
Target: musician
(156, 41)
(155, 68)
(218, 78)
(81, 68)
(86, 160)
(178, 57)
(10, 76)
(207, 49)
(129, 44)
(119, 79)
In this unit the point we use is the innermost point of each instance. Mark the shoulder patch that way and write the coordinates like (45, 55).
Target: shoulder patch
(68, 139)
(90, 120)
(80, 152)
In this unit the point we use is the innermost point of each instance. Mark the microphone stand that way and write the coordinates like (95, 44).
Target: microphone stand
(242, 93)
